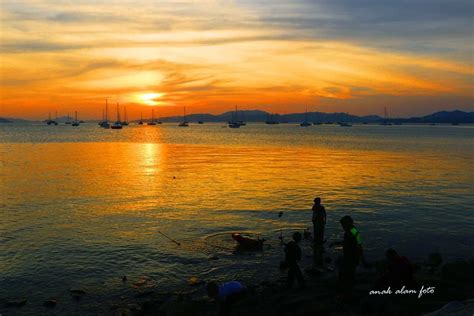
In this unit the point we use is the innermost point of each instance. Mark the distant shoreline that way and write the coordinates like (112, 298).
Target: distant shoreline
(254, 116)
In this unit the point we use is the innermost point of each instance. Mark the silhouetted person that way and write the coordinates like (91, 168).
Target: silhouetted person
(399, 272)
(319, 221)
(225, 294)
(292, 256)
(352, 255)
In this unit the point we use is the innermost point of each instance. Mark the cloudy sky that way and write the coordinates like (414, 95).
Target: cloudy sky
(358, 56)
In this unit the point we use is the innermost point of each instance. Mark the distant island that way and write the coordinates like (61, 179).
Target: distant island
(447, 117)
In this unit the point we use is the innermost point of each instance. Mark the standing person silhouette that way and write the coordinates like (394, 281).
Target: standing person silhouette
(352, 255)
(319, 221)
(292, 256)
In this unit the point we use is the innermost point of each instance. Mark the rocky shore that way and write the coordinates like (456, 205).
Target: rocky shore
(449, 282)
(439, 283)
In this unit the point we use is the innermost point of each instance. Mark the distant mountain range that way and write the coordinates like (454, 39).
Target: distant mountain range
(442, 117)
(320, 117)
(262, 116)
(458, 117)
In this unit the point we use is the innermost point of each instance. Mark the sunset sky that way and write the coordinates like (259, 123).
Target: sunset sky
(358, 56)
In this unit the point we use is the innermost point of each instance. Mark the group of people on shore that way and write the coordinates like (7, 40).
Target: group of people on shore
(399, 271)
(352, 251)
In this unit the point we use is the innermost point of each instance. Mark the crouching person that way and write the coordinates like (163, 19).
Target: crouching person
(226, 295)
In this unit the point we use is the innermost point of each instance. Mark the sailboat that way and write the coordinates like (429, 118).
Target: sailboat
(234, 123)
(242, 121)
(385, 120)
(317, 120)
(184, 123)
(49, 121)
(202, 120)
(141, 119)
(344, 124)
(158, 121)
(105, 123)
(118, 123)
(305, 123)
(152, 122)
(270, 120)
(68, 119)
(125, 122)
(76, 122)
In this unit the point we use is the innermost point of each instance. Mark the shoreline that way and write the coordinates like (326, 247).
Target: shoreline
(450, 281)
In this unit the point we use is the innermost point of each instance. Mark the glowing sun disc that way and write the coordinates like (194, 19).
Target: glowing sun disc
(150, 98)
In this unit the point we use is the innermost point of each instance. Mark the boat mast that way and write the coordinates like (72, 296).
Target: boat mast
(106, 110)
(118, 113)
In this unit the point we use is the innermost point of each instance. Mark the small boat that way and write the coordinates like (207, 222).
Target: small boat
(385, 120)
(246, 243)
(50, 121)
(105, 116)
(242, 122)
(305, 123)
(118, 123)
(152, 121)
(234, 123)
(344, 124)
(270, 120)
(202, 120)
(184, 123)
(76, 122)
(125, 122)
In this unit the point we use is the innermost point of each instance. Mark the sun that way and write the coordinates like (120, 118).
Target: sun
(150, 98)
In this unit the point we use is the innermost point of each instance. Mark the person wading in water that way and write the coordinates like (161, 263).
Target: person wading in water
(319, 221)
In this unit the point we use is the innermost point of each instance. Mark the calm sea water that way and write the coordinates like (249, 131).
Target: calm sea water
(81, 207)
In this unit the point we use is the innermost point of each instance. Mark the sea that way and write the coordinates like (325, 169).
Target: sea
(81, 207)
